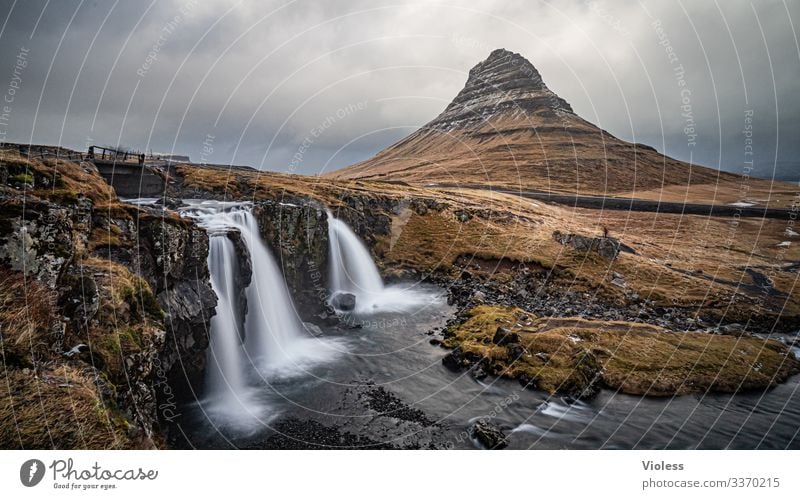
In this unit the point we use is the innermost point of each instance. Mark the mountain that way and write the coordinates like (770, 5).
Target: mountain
(506, 128)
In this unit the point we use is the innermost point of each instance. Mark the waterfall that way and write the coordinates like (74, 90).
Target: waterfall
(352, 270)
(272, 327)
(351, 267)
(275, 342)
(224, 376)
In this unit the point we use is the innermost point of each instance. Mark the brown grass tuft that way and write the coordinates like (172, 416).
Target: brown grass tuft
(26, 317)
(58, 409)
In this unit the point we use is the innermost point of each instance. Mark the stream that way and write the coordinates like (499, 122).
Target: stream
(394, 353)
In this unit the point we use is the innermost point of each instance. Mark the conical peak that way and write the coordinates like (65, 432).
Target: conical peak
(506, 70)
(504, 84)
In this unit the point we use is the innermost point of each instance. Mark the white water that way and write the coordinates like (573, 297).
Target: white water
(272, 325)
(577, 412)
(224, 375)
(352, 270)
(275, 344)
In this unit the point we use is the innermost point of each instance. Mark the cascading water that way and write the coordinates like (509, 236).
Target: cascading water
(272, 328)
(224, 376)
(353, 271)
(276, 343)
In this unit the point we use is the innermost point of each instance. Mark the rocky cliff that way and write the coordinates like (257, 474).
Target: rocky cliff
(296, 229)
(104, 310)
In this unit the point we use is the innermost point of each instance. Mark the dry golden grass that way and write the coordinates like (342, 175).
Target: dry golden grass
(75, 179)
(436, 240)
(56, 409)
(536, 151)
(686, 258)
(691, 261)
(757, 191)
(26, 317)
(632, 358)
(58, 180)
(127, 317)
(104, 238)
(265, 185)
(210, 179)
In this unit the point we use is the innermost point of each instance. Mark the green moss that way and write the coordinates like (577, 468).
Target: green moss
(149, 303)
(143, 303)
(59, 195)
(572, 355)
(22, 178)
(131, 339)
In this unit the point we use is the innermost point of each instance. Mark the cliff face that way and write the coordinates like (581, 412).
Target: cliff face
(171, 255)
(296, 230)
(104, 310)
(297, 233)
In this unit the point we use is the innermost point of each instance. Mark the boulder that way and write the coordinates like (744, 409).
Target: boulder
(489, 435)
(504, 337)
(618, 279)
(479, 371)
(313, 329)
(453, 360)
(344, 302)
(606, 247)
(463, 216)
(515, 351)
(170, 202)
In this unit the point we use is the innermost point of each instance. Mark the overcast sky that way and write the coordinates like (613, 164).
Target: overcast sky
(255, 80)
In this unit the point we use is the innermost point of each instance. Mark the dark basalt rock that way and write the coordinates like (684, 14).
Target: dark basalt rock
(515, 351)
(298, 434)
(606, 247)
(171, 203)
(243, 274)
(171, 255)
(345, 302)
(40, 239)
(489, 435)
(479, 371)
(463, 216)
(296, 231)
(504, 337)
(453, 360)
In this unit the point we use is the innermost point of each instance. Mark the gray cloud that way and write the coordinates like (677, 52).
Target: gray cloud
(261, 77)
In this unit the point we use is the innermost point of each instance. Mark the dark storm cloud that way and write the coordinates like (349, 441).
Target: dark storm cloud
(308, 85)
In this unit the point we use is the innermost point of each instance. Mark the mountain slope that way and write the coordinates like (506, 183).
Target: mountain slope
(507, 128)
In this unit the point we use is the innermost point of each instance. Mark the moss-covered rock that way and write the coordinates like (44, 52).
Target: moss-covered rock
(82, 329)
(577, 356)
